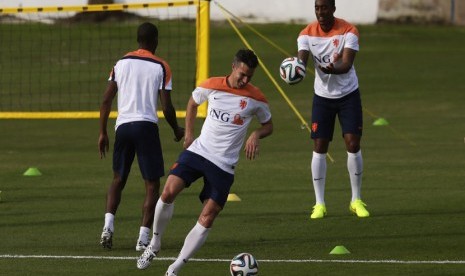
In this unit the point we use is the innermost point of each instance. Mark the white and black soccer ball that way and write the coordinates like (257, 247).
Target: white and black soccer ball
(292, 70)
(244, 264)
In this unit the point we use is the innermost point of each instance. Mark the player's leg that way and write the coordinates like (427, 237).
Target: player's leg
(217, 184)
(148, 208)
(150, 158)
(197, 236)
(182, 174)
(123, 156)
(162, 216)
(164, 209)
(351, 119)
(323, 118)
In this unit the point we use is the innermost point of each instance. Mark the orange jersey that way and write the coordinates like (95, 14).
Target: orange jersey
(326, 48)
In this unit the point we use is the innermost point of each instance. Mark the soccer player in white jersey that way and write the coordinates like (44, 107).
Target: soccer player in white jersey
(232, 104)
(139, 79)
(332, 44)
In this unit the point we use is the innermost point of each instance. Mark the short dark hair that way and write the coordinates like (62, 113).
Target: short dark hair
(147, 33)
(332, 3)
(246, 56)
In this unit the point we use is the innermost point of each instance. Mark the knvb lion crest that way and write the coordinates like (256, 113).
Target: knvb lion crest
(243, 104)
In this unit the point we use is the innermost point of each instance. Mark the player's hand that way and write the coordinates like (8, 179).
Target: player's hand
(188, 139)
(252, 146)
(178, 134)
(328, 69)
(103, 145)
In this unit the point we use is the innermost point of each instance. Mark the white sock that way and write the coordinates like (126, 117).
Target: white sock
(161, 218)
(109, 219)
(355, 168)
(193, 242)
(319, 176)
(144, 234)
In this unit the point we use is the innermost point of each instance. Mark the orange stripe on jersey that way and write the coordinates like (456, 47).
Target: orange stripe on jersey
(340, 27)
(220, 84)
(147, 54)
(112, 74)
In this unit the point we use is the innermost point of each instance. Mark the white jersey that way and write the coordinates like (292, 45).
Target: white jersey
(139, 75)
(327, 48)
(230, 112)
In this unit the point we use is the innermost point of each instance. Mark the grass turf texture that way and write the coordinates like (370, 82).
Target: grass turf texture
(413, 176)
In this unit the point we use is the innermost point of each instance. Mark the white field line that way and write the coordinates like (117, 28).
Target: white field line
(227, 260)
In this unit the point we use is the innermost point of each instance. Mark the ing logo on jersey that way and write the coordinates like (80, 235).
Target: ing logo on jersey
(225, 117)
(238, 120)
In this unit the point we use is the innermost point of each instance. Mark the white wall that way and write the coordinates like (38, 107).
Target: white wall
(355, 11)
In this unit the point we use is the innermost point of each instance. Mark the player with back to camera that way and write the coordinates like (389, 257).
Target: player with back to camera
(139, 79)
(213, 155)
(333, 44)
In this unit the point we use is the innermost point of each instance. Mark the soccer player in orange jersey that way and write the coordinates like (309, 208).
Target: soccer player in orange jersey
(332, 43)
(232, 104)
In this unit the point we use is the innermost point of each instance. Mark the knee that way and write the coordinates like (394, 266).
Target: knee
(173, 186)
(152, 188)
(118, 182)
(167, 196)
(209, 213)
(353, 147)
(206, 220)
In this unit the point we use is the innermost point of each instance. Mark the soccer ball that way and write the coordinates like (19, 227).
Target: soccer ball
(292, 70)
(244, 264)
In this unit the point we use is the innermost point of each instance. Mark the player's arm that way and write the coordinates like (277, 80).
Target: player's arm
(170, 114)
(252, 144)
(105, 109)
(303, 56)
(348, 57)
(191, 114)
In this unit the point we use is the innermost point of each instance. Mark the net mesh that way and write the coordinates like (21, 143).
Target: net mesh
(61, 60)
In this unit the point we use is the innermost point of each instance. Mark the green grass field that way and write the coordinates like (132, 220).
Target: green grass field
(413, 177)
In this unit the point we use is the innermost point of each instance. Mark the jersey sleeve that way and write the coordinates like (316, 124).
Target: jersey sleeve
(112, 75)
(167, 81)
(263, 112)
(302, 43)
(352, 42)
(200, 94)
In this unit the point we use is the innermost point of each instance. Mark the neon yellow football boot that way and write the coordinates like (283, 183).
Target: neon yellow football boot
(319, 211)
(358, 207)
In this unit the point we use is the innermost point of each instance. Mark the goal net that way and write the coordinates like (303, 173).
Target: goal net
(55, 61)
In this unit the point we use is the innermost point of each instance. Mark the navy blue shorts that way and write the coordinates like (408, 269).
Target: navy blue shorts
(216, 182)
(348, 109)
(141, 138)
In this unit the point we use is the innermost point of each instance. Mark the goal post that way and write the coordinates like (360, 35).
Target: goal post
(55, 65)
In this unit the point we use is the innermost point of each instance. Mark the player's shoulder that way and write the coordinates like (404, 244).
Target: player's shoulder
(215, 83)
(311, 29)
(221, 84)
(342, 26)
(145, 55)
(255, 93)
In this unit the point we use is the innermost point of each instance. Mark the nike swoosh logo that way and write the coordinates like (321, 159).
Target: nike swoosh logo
(360, 173)
(316, 179)
(314, 44)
